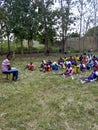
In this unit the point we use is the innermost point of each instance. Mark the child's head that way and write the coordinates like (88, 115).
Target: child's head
(9, 56)
(95, 68)
(68, 65)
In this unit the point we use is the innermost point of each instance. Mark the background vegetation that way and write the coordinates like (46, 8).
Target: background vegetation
(47, 21)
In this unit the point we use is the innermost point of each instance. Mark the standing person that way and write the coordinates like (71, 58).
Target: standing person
(7, 69)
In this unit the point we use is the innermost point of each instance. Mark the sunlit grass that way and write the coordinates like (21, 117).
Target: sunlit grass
(46, 101)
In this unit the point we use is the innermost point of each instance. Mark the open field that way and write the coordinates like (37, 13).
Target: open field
(46, 101)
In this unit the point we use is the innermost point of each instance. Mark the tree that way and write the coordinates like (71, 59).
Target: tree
(74, 34)
(91, 32)
(6, 19)
(46, 21)
(65, 19)
(20, 12)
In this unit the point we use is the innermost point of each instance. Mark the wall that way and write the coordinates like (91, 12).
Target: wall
(85, 42)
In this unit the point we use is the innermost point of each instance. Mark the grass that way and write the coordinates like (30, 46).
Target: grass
(46, 101)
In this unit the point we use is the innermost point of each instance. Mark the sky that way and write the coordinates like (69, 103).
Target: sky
(87, 17)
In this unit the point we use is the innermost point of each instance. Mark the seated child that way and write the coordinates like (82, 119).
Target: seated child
(82, 67)
(42, 65)
(73, 61)
(30, 66)
(90, 64)
(50, 63)
(45, 66)
(69, 71)
(61, 62)
(76, 58)
(92, 77)
(76, 68)
(65, 58)
(84, 60)
(80, 58)
(55, 66)
(67, 62)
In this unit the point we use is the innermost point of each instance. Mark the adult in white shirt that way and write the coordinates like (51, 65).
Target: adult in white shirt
(7, 69)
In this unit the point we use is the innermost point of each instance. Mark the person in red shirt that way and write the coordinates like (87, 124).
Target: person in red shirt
(30, 66)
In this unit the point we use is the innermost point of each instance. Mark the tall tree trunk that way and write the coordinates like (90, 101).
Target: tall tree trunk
(1, 48)
(81, 19)
(84, 43)
(22, 47)
(46, 44)
(29, 45)
(95, 15)
(63, 44)
(8, 40)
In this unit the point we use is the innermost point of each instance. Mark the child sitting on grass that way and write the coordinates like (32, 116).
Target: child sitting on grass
(92, 77)
(30, 66)
(55, 66)
(45, 66)
(82, 67)
(68, 72)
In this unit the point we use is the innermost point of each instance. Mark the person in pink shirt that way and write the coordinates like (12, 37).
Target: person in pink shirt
(68, 72)
(7, 69)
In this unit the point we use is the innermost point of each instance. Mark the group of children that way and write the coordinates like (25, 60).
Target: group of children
(72, 65)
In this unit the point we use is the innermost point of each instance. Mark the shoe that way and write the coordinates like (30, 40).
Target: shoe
(82, 81)
(72, 77)
(64, 75)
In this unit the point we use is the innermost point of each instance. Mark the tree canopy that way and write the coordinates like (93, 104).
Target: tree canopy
(90, 32)
(40, 20)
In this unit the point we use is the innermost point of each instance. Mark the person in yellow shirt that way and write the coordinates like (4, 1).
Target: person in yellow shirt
(76, 58)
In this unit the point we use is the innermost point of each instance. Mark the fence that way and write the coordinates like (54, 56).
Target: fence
(84, 43)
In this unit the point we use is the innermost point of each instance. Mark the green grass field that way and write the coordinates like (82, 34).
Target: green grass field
(46, 101)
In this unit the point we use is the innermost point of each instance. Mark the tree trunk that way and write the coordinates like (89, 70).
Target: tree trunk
(1, 48)
(79, 44)
(63, 44)
(84, 43)
(46, 44)
(22, 47)
(29, 45)
(8, 40)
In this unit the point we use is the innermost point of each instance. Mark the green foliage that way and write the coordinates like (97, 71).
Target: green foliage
(91, 32)
(46, 22)
(74, 34)
(27, 19)
(65, 21)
